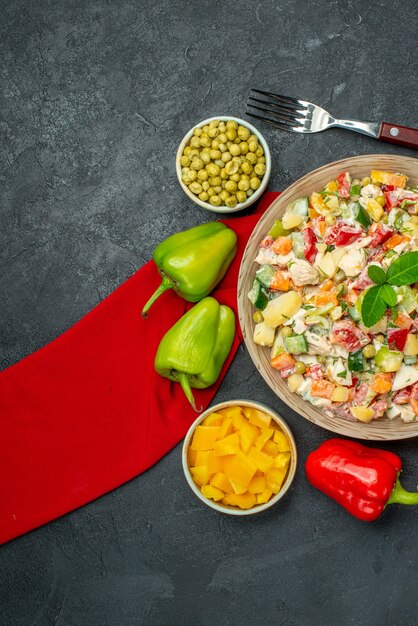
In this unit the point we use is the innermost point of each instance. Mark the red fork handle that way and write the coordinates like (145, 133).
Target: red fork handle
(402, 135)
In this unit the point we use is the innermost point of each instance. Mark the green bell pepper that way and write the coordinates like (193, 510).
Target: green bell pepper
(194, 350)
(194, 261)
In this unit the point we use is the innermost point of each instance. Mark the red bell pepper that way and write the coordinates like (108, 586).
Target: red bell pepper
(391, 195)
(343, 181)
(342, 234)
(363, 480)
(397, 338)
(310, 240)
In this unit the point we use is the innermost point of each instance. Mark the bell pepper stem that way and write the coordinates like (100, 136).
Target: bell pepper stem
(165, 284)
(401, 496)
(184, 382)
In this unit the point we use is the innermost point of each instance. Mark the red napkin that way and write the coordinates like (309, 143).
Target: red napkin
(87, 412)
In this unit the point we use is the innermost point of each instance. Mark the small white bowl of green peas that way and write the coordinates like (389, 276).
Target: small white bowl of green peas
(223, 164)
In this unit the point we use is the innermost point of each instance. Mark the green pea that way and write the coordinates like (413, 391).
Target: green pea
(215, 181)
(204, 196)
(231, 167)
(213, 132)
(223, 147)
(202, 175)
(214, 124)
(186, 150)
(243, 133)
(232, 124)
(244, 147)
(224, 195)
(205, 185)
(254, 183)
(235, 177)
(217, 189)
(215, 200)
(259, 152)
(234, 149)
(249, 192)
(231, 186)
(197, 131)
(210, 191)
(192, 175)
(215, 144)
(215, 154)
(243, 184)
(195, 142)
(213, 169)
(300, 367)
(258, 317)
(286, 331)
(205, 156)
(197, 164)
(241, 196)
(251, 157)
(226, 156)
(196, 188)
(223, 174)
(365, 181)
(231, 202)
(193, 153)
(246, 168)
(260, 169)
(205, 141)
(185, 161)
(223, 138)
(253, 146)
(231, 134)
(321, 359)
(369, 351)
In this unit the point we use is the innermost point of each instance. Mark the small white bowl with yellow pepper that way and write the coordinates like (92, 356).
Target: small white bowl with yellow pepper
(223, 164)
(239, 457)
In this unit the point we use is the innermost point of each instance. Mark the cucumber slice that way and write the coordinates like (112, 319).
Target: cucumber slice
(258, 295)
(298, 245)
(264, 275)
(360, 215)
(296, 344)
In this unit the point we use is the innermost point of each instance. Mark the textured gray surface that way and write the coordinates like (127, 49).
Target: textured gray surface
(95, 97)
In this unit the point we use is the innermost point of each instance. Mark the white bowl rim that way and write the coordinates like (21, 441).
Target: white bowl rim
(264, 182)
(290, 474)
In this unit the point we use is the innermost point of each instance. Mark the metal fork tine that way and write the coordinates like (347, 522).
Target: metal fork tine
(272, 122)
(281, 108)
(285, 99)
(283, 119)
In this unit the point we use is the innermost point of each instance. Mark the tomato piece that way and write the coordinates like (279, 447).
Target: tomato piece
(349, 336)
(379, 233)
(310, 240)
(342, 234)
(397, 338)
(343, 181)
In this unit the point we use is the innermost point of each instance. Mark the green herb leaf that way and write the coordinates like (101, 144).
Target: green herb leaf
(342, 374)
(388, 294)
(373, 306)
(377, 274)
(404, 270)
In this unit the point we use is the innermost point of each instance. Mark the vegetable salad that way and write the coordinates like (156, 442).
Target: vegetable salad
(335, 297)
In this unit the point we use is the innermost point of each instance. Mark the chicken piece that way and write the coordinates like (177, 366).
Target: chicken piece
(303, 273)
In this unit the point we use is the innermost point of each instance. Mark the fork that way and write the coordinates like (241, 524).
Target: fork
(300, 116)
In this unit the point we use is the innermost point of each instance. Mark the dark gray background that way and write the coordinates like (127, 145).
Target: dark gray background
(95, 97)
